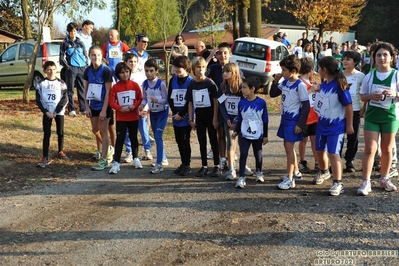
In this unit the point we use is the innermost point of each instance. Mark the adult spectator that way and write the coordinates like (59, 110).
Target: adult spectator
(298, 50)
(304, 39)
(73, 58)
(332, 45)
(344, 48)
(355, 46)
(140, 50)
(84, 34)
(316, 48)
(178, 47)
(113, 49)
(286, 41)
(201, 50)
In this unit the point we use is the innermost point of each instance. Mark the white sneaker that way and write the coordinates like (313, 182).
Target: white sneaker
(298, 176)
(241, 182)
(148, 155)
(115, 168)
(157, 169)
(387, 184)
(72, 113)
(319, 179)
(209, 155)
(259, 177)
(128, 158)
(231, 175)
(393, 171)
(337, 188)
(248, 171)
(287, 184)
(164, 163)
(137, 163)
(152, 140)
(365, 188)
(110, 154)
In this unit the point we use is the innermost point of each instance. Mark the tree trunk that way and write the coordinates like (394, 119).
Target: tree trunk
(118, 16)
(26, 20)
(235, 22)
(242, 18)
(31, 70)
(255, 18)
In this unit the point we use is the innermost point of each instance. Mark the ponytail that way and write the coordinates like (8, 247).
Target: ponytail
(332, 66)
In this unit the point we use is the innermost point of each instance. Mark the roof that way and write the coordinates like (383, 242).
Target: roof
(8, 37)
(190, 38)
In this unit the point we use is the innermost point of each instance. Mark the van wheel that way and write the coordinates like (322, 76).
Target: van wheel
(37, 78)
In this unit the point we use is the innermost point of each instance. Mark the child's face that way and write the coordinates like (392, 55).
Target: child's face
(227, 75)
(383, 58)
(246, 91)
(50, 72)
(96, 57)
(150, 73)
(348, 63)
(286, 73)
(322, 72)
(124, 75)
(225, 55)
(180, 72)
(200, 70)
(72, 34)
(132, 62)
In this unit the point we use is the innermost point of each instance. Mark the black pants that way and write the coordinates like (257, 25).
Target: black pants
(244, 148)
(182, 136)
(121, 127)
(202, 125)
(353, 139)
(59, 122)
(74, 76)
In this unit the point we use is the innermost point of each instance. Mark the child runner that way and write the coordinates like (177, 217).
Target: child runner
(333, 104)
(354, 79)
(306, 72)
(97, 83)
(295, 111)
(51, 98)
(176, 98)
(252, 127)
(156, 95)
(125, 98)
(380, 92)
(229, 96)
(138, 77)
(201, 98)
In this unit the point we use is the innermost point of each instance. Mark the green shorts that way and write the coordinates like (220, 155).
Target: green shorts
(390, 127)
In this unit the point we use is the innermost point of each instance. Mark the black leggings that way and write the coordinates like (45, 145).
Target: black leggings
(121, 127)
(182, 136)
(202, 125)
(59, 122)
(244, 148)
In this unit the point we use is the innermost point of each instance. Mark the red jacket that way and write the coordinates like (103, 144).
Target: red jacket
(123, 86)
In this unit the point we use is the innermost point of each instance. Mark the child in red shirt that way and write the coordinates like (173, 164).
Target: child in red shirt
(125, 98)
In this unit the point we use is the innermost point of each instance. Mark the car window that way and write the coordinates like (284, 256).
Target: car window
(251, 50)
(9, 54)
(53, 49)
(284, 51)
(25, 50)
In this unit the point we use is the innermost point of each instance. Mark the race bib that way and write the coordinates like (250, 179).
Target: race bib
(154, 107)
(385, 102)
(251, 129)
(285, 99)
(321, 104)
(52, 96)
(178, 97)
(126, 98)
(367, 60)
(201, 98)
(231, 104)
(352, 82)
(94, 92)
(115, 53)
(312, 97)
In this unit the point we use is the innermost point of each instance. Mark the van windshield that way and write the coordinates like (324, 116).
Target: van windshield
(251, 50)
(53, 49)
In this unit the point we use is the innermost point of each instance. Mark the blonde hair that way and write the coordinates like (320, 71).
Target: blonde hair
(196, 62)
(235, 81)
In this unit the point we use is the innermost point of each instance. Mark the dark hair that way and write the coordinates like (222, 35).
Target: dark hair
(307, 65)
(151, 63)
(139, 37)
(309, 44)
(72, 26)
(226, 45)
(352, 54)
(48, 63)
(128, 56)
(252, 82)
(121, 66)
(183, 62)
(87, 22)
(177, 37)
(332, 66)
(390, 48)
(291, 63)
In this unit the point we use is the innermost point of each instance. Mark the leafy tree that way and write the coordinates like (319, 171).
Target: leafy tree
(11, 16)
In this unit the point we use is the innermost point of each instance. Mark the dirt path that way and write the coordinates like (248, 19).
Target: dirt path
(135, 218)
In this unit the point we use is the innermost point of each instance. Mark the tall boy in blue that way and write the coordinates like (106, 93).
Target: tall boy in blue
(73, 58)
(295, 110)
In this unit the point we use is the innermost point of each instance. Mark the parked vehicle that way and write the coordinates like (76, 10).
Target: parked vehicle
(14, 62)
(259, 57)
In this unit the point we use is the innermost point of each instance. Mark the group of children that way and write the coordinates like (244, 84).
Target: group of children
(325, 112)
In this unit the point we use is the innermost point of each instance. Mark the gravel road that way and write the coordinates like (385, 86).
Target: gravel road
(136, 218)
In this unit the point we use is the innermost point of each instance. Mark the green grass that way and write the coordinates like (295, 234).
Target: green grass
(14, 93)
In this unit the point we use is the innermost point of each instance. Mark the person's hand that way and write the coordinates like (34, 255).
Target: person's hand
(49, 115)
(132, 107)
(349, 130)
(297, 130)
(229, 123)
(88, 112)
(277, 78)
(154, 99)
(177, 117)
(234, 135)
(215, 124)
(193, 125)
(265, 141)
(376, 96)
(124, 110)
(103, 115)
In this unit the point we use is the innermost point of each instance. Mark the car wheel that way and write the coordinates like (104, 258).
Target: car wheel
(37, 78)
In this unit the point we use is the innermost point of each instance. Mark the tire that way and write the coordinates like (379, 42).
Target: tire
(37, 78)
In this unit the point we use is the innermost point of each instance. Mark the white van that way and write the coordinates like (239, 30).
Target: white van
(259, 57)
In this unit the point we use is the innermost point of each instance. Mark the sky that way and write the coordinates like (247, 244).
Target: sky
(101, 18)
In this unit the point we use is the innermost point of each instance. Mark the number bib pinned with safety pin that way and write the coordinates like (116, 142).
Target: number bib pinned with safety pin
(385, 102)
(178, 97)
(126, 98)
(52, 97)
(231, 104)
(94, 92)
